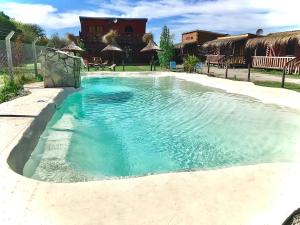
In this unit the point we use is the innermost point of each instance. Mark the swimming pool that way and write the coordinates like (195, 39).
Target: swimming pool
(118, 127)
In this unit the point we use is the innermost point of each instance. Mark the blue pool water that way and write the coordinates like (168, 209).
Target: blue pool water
(120, 127)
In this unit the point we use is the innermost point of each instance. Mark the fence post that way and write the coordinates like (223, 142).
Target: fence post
(9, 54)
(208, 65)
(283, 77)
(249, 71)
(226, 70)
(34, 56)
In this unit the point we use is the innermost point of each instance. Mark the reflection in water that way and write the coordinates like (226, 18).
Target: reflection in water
(110, 98)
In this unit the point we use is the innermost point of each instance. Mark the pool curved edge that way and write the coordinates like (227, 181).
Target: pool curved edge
(259, 194)
(21, 152)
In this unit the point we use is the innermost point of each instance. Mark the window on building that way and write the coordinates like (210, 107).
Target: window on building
(128, 29)
(91, 29)
(99, 29)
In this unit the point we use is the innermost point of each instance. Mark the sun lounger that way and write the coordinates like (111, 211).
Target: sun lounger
(112, 67)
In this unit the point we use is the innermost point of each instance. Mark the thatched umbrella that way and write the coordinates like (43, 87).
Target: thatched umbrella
(112, 45)
(72, 47)
(150, 47)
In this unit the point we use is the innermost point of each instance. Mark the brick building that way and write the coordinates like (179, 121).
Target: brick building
(130, 33)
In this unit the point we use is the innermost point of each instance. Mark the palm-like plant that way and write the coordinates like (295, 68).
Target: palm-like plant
(147, 37)
(189, 63)
(110, 37)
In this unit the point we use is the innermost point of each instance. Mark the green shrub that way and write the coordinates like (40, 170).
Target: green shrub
(10, 88)
(39, 78)
(189, 63)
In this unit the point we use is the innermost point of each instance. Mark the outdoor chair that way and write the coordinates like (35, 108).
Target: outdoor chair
(112, 67)
(98, 62)
(86, 64)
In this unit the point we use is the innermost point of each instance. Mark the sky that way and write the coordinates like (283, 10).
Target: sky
(226, 16)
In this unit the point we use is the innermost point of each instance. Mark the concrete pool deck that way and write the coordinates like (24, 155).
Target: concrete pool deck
(259, 194)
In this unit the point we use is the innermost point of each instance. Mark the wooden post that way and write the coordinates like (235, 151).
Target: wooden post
(34, 56)
(226, 70)
(283, 78)
(9, 54)
(123, 64)
(208, 65)
(151, 62)
(249, 71)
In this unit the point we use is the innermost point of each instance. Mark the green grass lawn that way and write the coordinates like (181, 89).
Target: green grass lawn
(275, 73)
(290, 86)
(127, 68)
(137, 68)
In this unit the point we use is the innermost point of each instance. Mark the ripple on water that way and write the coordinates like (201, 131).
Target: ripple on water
(120, 127)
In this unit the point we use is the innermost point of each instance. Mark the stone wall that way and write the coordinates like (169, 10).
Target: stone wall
(60, 69)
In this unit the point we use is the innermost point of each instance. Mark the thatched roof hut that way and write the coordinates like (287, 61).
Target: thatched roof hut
(228, 40)
(279, 38)
(229, 46)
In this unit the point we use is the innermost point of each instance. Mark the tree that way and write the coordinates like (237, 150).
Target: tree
(167, 47)
(6, 25)
(57, 42)
(29, 32)
(24, 32)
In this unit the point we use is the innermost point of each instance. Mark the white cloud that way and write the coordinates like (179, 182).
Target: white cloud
(217, 15)
(46, 15)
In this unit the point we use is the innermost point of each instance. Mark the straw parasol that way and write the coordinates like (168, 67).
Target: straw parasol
(279, 38)
(150, 47)
(72, 47)
(112, 45)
